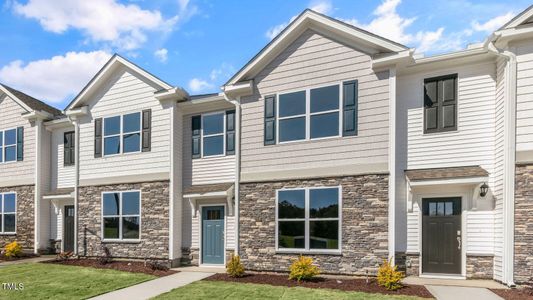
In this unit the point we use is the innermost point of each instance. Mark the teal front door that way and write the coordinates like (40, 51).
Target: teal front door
(213, 235)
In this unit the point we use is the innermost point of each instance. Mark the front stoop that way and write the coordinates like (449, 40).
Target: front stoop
(475, 283)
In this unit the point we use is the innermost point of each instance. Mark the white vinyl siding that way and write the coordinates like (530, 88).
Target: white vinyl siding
(524, 96)
(125, 93)
(61, 176)
(313, 60)
(10, 117)
(480, 233)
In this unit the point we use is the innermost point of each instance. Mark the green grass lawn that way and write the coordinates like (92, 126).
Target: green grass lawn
(229, 290)
(49, 281)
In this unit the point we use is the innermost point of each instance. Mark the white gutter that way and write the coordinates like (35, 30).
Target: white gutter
(76, 179)
(37, 188)
(237, 103)
(509, 158)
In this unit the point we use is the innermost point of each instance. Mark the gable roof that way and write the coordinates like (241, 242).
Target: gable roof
(28, 102)
(313, 20)
(526, 16)
(109, 65)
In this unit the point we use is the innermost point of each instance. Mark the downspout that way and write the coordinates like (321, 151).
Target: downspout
(76, 179)
(37, 187)
(237, 103)
(509, 158)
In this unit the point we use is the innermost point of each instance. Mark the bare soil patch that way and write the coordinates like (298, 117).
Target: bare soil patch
(354, 285)
(119, 265)
(515, 294)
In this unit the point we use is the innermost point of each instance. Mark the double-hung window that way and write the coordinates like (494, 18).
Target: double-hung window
(121, 215)
(8, 145)
(122, 134)
(8, 204)
(315, 113)
(213, 134)
(308, 219)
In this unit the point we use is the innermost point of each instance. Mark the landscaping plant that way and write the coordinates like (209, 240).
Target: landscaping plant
(13, 249)
(106, 258)
(389, 276)
(234, 268)
(303, 269)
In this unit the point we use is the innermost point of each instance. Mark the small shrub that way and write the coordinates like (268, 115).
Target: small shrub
(156, 265)
(13, 249)
(106, 258)
(303, 269)
(389, 276)
(234, 267)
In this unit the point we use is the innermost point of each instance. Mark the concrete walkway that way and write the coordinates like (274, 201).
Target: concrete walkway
(461, 293)
(27, 260)
(480, 283)
(152, 288)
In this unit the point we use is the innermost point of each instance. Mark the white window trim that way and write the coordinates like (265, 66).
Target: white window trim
(308, 113)
(120, 216)
(2, 232)
(307, 220)
(3, 146)
(121, 135)
(223, 134)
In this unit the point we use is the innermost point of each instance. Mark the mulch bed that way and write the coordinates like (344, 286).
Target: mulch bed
(357, 285)
(515, 294)
(119, 265)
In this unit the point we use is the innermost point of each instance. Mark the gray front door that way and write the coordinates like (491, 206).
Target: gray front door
(68, 229)
(213, 235)
(441, 235)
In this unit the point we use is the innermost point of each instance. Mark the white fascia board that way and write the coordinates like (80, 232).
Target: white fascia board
(400, 58)
(206, 195)
(452, 55)
(37, 115)
(519, 19)
(175, 93)
(238, 89)
(58, 123)
(506, 35)
(77, 112)
(470, 180)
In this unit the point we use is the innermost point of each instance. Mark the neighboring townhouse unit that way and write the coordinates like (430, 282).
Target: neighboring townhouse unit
(331, 142)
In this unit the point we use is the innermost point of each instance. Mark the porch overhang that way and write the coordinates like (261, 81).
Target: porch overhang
(58, 194)
(210, 191)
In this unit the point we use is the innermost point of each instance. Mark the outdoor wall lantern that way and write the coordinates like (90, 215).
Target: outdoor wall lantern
(483, 189)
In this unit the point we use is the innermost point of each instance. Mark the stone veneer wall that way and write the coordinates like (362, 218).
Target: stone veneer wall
(364, 225)
(479, 267)
(154, 239)
(523, 256)
(412, 262)
(191, 256)
(24, 219)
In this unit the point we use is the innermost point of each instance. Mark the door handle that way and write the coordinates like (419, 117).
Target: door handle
(459, 241)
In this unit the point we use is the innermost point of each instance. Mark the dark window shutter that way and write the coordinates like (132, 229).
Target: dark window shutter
(147, 130)
(350, 103)
(270, 120)
(20, 143)
(196, 136)
(68, 149)
(98, 137)
(230, 132)
(440, 104)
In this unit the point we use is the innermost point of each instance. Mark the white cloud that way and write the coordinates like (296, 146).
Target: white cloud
(197, 85)
(492, 24)
(224, 71)
(56, 78)
(122, 25)
(321, 6)
(161, 54)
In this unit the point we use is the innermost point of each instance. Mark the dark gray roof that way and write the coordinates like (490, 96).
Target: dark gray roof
(208, 188)
(32, 102)
(446, 173)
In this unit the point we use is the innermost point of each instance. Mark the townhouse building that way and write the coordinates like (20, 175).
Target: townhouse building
(331, 142)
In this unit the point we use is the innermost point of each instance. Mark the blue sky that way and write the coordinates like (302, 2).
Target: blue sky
(51, 48)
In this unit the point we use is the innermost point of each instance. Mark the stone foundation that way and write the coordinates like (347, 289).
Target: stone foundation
(479, 267)
(523, 256)
(412, 264)
(191, 256)
(154, 228)
(364, 225)
(24, 219)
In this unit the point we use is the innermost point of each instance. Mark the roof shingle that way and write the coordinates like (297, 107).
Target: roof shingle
(32, 102)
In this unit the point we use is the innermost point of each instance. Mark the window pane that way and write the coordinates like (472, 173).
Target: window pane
(440, 208)
(325, 125)
(132, 142)
(292, 129)
(324, 203)
(130, 203)
(291, 204)
(326, 98)
(1, 154)
(214, 145)
(11, 153)
(131, 122)
(432, 209)
(111, 145)
(9, 223)
(448, 209)
(111, 228)
(213, 124)
(130, 228)
(291, 234)
(111, 204)
(292, 104)
(324, 235)
(112, 125)
(9, 203)
(10, 137)
(1, 138)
